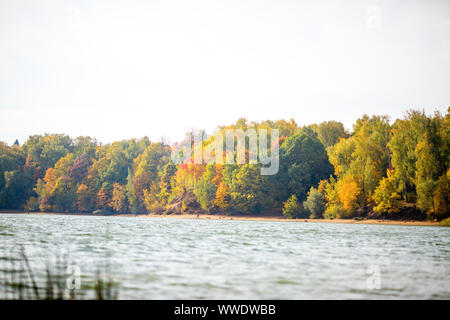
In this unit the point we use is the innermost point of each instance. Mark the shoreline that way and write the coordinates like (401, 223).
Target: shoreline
(277, 218)
(244, 218)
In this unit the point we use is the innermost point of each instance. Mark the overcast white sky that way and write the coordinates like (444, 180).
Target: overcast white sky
(120, 69)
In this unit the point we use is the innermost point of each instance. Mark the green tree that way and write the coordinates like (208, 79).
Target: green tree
(17, 188)
(303, 163)
(16, 184)
(63, 195)
(441, 197)
(166, 182)
(360, 163)
(133, 202)
(371, 155)
(249, 190)
(205, 191)
(47, 149)
(149, 168)
(330, 132)
(292, 208)
(432, 163)
(315, 203)
(406, 134)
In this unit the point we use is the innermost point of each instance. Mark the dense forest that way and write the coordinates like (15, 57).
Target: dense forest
(380, 169)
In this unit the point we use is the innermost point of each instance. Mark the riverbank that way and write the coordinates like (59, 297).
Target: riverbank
(278, 218)
(248, 218)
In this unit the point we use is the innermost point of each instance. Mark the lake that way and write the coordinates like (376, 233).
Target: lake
(159, 258)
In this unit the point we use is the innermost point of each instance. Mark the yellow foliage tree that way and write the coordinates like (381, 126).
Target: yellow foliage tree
(292, 208)
(151, 201)
(50, 179)
(217, 180)
(441, 196)
(385, 196)
(119, 198)
(341, 155)
(222, 196)
(83, 198)
(348, 191)
(102, 199)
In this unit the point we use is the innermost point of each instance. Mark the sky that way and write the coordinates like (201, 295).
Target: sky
(120, 69)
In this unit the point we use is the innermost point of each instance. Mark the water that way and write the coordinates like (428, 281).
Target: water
(227, 259)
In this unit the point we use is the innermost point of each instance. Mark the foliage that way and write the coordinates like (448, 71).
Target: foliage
(222, 199)
(348, 193)
(441, 196)
(32, 204)
(330, 132)
(386, 197)
(335, 211)
(205, 192)
(406, 133)
(303, 163)
(119, 198)
(292, 208)
(315, 203)
(324, 171)
(249, 190)
(85, 199)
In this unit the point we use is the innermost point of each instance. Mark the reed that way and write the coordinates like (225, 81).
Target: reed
(21, 280)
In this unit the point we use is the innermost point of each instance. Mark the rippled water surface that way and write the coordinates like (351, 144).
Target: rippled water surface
(227, 259)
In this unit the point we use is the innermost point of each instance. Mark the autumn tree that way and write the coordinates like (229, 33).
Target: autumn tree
(349, 192)
(63, 196)
(222, 199)
(47, 149)
(103, 198)
(148, 170)
(379, 166)
(360, 162)
(85, 199)
(119, 198)
(166, 183)
(406, 134)
(432, 165)
(386, 197)
(78, 171)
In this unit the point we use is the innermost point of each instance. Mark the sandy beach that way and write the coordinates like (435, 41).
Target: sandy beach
(278, 218)
(249, 218)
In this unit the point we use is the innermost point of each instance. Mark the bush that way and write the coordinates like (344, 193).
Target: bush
(293, 209)
(445, 223)
(335, 211)
(32, 204)
(315, 204)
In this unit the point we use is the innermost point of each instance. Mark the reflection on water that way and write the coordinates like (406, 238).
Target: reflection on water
(224, 259)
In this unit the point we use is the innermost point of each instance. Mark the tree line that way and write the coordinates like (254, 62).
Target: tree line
(378, 169)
